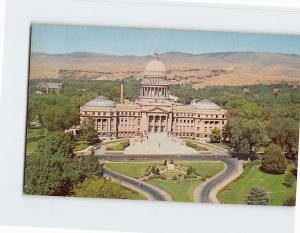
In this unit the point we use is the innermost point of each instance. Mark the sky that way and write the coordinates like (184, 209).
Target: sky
(58, 39)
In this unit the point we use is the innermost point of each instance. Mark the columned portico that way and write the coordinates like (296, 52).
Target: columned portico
(157, 123)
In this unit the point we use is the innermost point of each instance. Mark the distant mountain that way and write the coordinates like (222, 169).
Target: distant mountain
(245, 67)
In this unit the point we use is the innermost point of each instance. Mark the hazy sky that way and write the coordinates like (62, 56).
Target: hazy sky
(127, 41)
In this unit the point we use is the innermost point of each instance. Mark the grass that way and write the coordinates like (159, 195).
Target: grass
(181, 192)
(222, 145)
(80, 145)
(204, 169)
(195, 146)
(119, 147)
(132, 169)
(112, 141)
(33, 136)
(132, 194)
(236, 191)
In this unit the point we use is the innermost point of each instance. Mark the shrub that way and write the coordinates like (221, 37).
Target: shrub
(257, 196)
(153, 170)
(163, 177)
(154, 176)
(157, 172)
(171, 161)
(291, 201)
(189, 171)
(195, 146)
(289, 180)
(174, 178)
(165, 162)
(147, 173)
(203, 178)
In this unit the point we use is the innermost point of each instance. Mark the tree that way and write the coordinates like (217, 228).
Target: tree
(50, 175)
(273, 160)
(257, 196)
(89, 131)
(284, 132)
(291, 201)
(99, 187)
(245, 135)
(89, 167)
(56, 143)
(215, 135)
(60, 117)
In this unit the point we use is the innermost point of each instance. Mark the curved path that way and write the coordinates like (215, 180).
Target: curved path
(149, 191)
(207, 191)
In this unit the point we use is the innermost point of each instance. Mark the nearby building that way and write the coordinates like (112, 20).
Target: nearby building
(50, 87)
(153, 111)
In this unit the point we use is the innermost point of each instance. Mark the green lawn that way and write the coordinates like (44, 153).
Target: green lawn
(181, 192)
(132, 194)
(80, 145)
(119, 147)
(236, 191)
(132, 169)
(222, 145)
(33, 136)
(204, 169)
(195, 145)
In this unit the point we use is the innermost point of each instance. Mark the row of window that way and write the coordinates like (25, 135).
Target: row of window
(112, 113)
(198, 115)
(190, 135)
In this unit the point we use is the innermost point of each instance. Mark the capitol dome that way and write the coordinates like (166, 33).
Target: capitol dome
(155, 67)
(205, 105)
(101, 101)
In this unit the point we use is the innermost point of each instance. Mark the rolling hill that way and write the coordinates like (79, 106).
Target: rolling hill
(223, 68)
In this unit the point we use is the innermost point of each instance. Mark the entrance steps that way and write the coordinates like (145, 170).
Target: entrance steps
(159, 144)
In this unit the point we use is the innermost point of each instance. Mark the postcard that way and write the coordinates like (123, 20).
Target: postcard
(163, 115)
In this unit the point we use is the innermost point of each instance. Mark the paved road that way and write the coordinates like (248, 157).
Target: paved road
(202, 192)
(150, 191)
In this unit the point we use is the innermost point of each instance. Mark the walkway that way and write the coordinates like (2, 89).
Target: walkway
(149, 191)
(159, 144)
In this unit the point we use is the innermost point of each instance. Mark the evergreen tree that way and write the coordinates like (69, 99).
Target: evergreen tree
(257, 196)
(273, 160)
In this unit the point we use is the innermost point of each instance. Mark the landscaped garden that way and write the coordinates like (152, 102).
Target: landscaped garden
(195, 146)
(179, 178)
(235, 192)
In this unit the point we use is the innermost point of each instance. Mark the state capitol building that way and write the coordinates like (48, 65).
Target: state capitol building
(154, 111)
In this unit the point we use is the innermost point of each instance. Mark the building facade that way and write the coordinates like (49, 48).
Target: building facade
(154, 111)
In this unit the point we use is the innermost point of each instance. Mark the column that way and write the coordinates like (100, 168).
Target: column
(160, 123)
